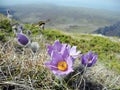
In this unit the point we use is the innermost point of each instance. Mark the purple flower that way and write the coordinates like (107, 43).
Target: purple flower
(58, 47)
(61, 64)
(19, 28)
(73, 53)
(89, 59)
(9, 16)
(22, 39)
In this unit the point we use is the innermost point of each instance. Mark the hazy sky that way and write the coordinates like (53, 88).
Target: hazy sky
(98, 4)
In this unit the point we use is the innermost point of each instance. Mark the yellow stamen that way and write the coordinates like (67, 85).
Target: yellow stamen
(62, 66)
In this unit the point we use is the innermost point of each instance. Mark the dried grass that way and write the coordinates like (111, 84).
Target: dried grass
(21, 69)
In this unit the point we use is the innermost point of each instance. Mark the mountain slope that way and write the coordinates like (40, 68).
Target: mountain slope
(70, 19)
(112, 30)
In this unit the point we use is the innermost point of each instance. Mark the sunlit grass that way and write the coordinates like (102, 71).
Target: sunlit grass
(105, 47)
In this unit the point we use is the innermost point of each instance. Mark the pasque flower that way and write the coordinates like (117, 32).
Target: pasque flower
(73, 52)
(9, 16)
(17, 28)
(89, 59)
(22, 39)
(34, 46)
(58, 47)
(61, 64)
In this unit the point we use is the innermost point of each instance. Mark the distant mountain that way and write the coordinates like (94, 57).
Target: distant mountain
(112, 30)
(70, 19)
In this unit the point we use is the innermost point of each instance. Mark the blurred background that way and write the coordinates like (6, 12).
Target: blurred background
(76, 16)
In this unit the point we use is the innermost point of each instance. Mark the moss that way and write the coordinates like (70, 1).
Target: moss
(6, 30)
(5, 24)
(3, 37)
